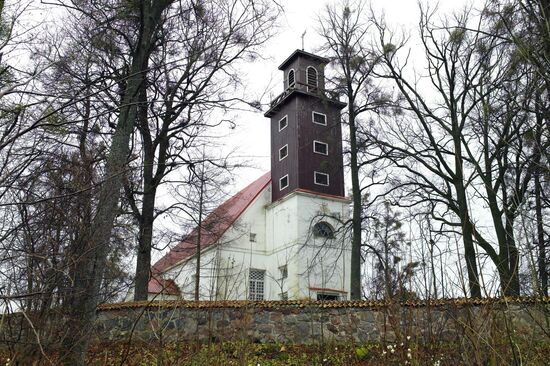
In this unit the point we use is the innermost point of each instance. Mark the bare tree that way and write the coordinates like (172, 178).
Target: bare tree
(193, 72)
(146, 17)
(523, 25)
(386, 245)
(466, 141)
(345, 30)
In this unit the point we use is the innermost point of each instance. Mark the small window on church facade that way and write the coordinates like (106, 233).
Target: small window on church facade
(283, 122)
(283, 182)
(320, 147)
(256, 284)
(319, 118)
(283, 152)
(284, 271)
(291, 78)
(253, 237)
(321, 179)
(323, 230)
(311, 79)
(327, 297)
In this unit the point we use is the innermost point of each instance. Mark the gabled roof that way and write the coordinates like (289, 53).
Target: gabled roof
(304, 54)
(214, 225)
(158, 285)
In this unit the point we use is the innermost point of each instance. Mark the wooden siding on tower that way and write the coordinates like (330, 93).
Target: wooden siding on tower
(302, 162)
(287, 136)
(331, 164)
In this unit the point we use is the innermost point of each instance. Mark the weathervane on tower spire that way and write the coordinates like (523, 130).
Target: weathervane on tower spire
(303, 35)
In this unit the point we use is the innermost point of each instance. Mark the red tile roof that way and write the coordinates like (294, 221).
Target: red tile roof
(214, 225)
(161, 286)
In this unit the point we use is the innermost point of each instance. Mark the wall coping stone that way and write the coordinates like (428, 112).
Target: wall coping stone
(240, 304)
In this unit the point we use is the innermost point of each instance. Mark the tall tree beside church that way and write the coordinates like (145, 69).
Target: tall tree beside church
(345, 32)
(469, 138)
(525, 26)
(94, 245)
(194, 72)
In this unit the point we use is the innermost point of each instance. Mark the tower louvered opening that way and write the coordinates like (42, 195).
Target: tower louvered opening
(291, 79)
(311, 76)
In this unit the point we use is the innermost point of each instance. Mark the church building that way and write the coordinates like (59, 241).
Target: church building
(282, 237)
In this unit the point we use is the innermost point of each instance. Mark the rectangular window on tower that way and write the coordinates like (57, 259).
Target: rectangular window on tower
(256, 284)
(320, 147)
(283, 122)
(283, 182)
(283, 152)
(320, 178)
(319, 118)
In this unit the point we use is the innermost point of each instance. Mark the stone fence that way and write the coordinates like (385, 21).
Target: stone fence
(306, 322)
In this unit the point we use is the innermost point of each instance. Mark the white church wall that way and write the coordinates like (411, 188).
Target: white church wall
(311, 262)
(224, 265)
(283, 238)
(321, 263)
(244, 248)
(252, 221)
(184, 276)
(282, 234)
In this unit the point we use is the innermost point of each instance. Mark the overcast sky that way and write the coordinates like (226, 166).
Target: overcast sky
(251, 137)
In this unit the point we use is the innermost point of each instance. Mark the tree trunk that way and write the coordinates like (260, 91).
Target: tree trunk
(470, 257)
(511, 287)
(541, 258)
(467, 227)
(88, 274)
(464, 215)
(355, 270)
(146, 217)
(199, 238)
(145, 239)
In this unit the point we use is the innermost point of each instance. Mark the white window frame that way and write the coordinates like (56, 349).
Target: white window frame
(322, 143)
(253, 285)
(321, 184)
(281, 150)
(288, 78)
(313, 113)
(285, 117)
(280, 181)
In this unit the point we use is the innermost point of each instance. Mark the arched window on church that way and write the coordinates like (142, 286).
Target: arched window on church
(323, 230)
(291, 78)
(311, 76)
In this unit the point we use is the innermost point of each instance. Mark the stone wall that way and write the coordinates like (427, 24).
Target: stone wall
(311, 322)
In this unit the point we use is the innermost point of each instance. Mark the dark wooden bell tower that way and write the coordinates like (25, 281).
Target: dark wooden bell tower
(306, 134)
